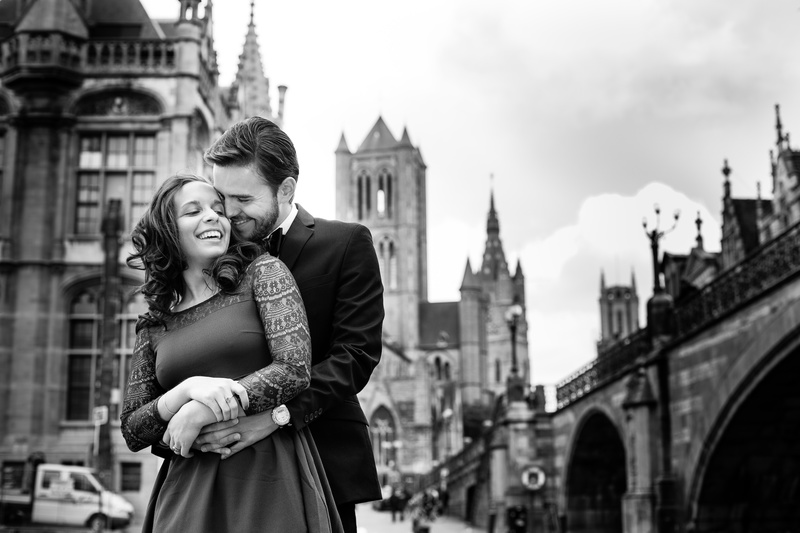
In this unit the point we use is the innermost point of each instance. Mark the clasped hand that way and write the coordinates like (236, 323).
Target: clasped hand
(218, 394)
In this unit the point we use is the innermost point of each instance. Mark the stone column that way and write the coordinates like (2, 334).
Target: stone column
(638, 504)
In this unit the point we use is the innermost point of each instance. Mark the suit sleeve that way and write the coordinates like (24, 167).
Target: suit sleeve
(355, 347)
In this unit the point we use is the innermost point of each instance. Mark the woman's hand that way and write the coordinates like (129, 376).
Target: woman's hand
(184, 427)
(218, 395)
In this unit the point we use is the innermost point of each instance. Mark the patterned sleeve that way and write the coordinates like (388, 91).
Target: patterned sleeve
(286, 329)
(142, 426)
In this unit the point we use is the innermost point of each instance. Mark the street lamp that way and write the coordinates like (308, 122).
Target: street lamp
(514, 384)
(656, 235)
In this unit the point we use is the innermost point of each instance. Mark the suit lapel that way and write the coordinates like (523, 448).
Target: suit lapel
(299, 232)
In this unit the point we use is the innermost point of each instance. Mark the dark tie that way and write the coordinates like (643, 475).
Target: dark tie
(274, 242)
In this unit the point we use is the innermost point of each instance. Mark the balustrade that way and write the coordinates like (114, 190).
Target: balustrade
(768, 266)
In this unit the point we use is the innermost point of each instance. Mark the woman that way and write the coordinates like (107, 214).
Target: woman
(212, 320)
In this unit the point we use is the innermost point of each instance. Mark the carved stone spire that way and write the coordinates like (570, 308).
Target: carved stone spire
(252, 85)
(494, 259)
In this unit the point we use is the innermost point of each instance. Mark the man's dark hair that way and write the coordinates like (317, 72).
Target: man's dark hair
(258, 142)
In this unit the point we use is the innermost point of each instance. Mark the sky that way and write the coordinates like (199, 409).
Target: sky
(586, 113)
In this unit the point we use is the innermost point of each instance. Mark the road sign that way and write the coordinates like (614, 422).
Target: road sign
(533, 478)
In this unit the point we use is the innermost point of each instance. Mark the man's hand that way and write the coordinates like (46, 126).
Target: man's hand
(228, 439)
(184, 427)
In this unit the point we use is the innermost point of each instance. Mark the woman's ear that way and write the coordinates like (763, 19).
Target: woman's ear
(286, 190)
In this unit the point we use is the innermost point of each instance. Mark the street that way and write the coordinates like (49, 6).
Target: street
(371, 521)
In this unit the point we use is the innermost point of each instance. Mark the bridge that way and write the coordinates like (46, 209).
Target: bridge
(691, 424)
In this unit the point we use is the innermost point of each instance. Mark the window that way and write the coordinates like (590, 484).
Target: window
(384, 196)
(85, 351)
(387, 260)
(13, 475)
(81, 482)
(363, 195)
(382, 429)
(131, 477)
(113, 165)
(2, 155)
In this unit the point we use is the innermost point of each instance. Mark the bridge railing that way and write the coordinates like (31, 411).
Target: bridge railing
(768, 266)
(611, 363)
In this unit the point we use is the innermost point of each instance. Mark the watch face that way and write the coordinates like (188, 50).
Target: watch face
(281, 415)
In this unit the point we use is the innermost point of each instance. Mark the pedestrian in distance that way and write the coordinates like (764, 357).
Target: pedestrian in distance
(225, 336)
(255, 168)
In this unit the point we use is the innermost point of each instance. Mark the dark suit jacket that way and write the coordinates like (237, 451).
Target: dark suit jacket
(336, 269)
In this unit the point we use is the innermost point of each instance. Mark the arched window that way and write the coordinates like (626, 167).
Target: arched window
(367, 195)
(392, 266)
(497, 371)
(447, 371)
(382, 245)
(384, 197)
(85, 350)
(360, 196)
(384, 440)
(200, 141)
(437, 363)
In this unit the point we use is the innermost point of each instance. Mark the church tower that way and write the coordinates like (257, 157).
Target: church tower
(382, 185)
(619, 312)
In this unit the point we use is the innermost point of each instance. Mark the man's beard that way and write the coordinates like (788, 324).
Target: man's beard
(265, 225)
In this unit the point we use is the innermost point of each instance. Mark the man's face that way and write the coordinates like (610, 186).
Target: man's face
(250, 203)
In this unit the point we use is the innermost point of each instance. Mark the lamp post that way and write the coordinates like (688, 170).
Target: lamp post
(514, 384)
(656, 235)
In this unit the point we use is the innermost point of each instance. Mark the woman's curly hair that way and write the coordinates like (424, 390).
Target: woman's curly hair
(159, 254)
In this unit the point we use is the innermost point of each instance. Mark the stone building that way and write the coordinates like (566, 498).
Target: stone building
(444, 363)
(97, 102)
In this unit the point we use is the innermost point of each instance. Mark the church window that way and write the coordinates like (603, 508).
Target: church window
(392, 266)
(367, 195)
(497, 371)
(384, 443)
(447, 371)
(438, 364)
(384, 195)
(2, 155)
(360, 196)
(85, 350)
(113, 166)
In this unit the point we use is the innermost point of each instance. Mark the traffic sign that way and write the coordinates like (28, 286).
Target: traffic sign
(533, 478)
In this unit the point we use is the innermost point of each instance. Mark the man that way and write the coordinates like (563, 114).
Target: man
(336, 269)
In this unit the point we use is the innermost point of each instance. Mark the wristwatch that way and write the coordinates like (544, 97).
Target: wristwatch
(281, 416)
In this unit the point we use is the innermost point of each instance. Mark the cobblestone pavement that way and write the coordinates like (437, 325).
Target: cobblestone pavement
(371, 521)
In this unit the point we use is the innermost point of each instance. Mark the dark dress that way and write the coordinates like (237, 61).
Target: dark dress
(277, 484)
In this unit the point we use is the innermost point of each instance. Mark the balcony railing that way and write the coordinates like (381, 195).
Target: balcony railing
(111, 56)
(611, 363)
(130, 56)
(768, 266)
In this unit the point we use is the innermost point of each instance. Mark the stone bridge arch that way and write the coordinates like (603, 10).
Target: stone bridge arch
(746, 476)
(595, 476)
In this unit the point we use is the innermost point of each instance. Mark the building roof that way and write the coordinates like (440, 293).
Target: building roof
(439, 325)
(379, 138)
(121, 19)
(53, 15)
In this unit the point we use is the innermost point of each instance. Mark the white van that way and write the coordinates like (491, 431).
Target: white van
(66, 495)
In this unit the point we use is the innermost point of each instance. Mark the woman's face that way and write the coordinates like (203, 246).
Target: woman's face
(203, 230)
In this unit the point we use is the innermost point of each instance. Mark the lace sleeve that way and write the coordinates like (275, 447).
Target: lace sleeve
(286, 329)
(142, 426)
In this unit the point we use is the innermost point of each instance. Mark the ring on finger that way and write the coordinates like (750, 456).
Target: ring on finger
(229, 398)
(176, 449)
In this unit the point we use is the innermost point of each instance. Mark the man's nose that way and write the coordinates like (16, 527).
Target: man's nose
(231, 208)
